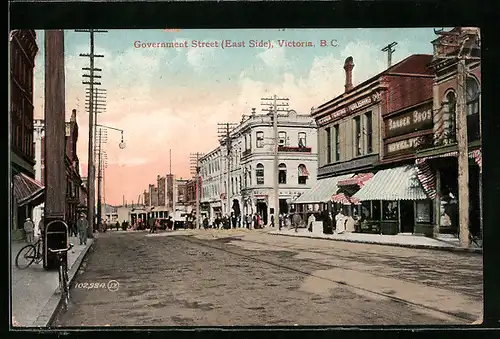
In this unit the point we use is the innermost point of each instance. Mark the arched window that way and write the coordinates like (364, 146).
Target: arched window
(451, 104)
(259, 174)
(472, 89)
(282, 173)
(303, 174)
(249, 176)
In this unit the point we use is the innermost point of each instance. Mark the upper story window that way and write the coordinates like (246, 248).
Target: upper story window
(337, 142)
(249, 140)
(303, 174)
(328, 131)
(282, 138)
(357, 136)
(259, 143)
(282, 173)
(472, 89)
(259, 174)
(369, 132)
(450, 107)
(302, 139)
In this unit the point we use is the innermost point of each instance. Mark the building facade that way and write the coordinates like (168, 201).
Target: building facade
(439, 165)
(161, 182)
(241, 181)
(76, 191)
(373, 127)
(26, 191)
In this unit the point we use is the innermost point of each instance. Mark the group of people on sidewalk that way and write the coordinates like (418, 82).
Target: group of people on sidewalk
(78, 229)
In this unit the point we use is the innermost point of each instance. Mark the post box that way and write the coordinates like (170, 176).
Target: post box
(56, 238)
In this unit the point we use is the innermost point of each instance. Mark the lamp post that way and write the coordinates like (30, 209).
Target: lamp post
(121, 145)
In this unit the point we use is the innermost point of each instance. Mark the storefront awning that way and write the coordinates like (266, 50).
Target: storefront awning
(358, 179)
(26, 189)
(321, 191)
(400, 183)
(343, 199)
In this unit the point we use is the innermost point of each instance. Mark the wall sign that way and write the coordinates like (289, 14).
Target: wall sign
(409, 122)
(338, 114)
(409, 145)
(348, 165)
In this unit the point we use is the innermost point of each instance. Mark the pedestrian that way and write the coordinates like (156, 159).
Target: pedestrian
(259, 221)
(205, 223)
(272, 220)
(248, 221)
(280, 221)
(310, 222)
(117, 225)
(41, 226)
(82, 226)
(296, 220)
(29, 229)
(254, 221)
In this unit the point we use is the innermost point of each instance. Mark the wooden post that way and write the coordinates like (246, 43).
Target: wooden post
(414, 216)
(55, 173)
(399, 215)
(437, 205)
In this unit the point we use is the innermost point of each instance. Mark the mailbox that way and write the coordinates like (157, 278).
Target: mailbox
(56, 238)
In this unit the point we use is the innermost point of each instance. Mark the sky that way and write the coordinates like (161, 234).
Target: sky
(171, 98)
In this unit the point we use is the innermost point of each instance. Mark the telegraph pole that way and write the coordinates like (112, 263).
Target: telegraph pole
(224, 131)
(91, 167)
(461, 127)
(273, 113)
(195, 169)
(390, 50)
(99, 102)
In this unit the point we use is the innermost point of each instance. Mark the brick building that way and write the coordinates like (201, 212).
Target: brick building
(26, 191)
(367, 139)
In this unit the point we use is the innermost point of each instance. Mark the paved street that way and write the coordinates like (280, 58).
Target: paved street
(240, 277)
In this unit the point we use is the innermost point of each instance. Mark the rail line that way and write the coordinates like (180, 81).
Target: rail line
(462, 318)
(349, 269)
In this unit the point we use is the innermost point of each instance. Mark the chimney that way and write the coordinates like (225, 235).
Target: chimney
(73, 115)
(348, 66)
(253, 111)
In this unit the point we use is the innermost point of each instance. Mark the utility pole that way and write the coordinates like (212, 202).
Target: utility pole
(91, 167)
(195, 169)
(390, 50)
(462, 38)
(99, 102)
(273, 113)
(224, 131)
(55, 173)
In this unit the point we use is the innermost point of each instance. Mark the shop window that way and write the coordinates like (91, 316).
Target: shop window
(364, 210)
(259, 143)
(336, 129)
(390, 210)
(282, 174)
(424, 211)
(259, 174)
(328, 145)
(303, 174)
(302, 139)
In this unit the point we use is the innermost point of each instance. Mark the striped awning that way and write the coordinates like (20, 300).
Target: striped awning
(321, 191)
(26, 189)
(426, 175)
(358, 180)
(303, 172)
(344, 199)
(400, 183)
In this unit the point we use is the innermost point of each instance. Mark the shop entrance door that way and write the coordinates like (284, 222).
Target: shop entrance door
(262, 210)
(407, 216)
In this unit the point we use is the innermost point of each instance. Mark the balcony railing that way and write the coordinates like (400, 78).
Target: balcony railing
(294, 149)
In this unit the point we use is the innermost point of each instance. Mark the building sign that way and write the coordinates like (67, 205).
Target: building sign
(412, 121)
(409, 145)
(338, 114)
(348, 165)
(259, 193)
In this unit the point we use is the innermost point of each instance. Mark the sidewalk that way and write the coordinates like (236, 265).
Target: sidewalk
(35, 294)
(401, 240)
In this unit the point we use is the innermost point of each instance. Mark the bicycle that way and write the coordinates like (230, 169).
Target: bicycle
(63, 273)
(31, 253)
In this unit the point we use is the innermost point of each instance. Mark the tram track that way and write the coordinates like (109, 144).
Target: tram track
(462, 317)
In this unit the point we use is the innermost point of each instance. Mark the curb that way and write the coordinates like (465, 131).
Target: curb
(54, 304)
(426, 247)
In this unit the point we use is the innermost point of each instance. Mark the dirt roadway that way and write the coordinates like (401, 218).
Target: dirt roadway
(219, 278)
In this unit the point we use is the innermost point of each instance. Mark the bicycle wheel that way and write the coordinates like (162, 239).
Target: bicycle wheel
(26, 256)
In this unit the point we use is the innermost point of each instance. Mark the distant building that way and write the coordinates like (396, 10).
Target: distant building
(161, 182)
(26, 191)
